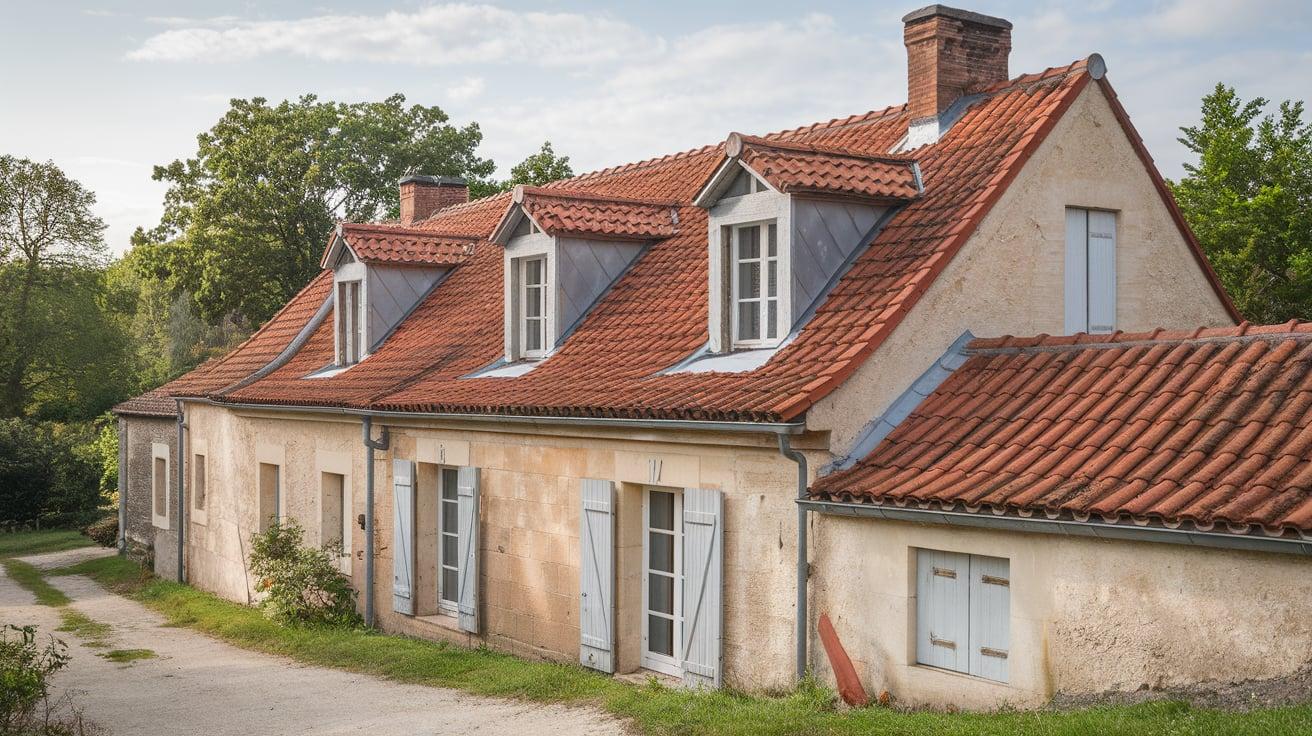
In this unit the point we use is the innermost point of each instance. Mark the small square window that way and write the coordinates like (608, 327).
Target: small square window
(963, 613)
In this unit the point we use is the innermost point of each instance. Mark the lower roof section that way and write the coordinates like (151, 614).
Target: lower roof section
(1209, 430)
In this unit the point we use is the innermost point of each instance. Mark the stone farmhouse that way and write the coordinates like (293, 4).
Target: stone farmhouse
(664, 416)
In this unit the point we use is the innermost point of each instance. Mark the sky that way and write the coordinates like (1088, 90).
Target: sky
(108, 90)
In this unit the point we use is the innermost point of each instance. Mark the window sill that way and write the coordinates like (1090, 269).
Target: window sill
(442, 621)
(954, 673)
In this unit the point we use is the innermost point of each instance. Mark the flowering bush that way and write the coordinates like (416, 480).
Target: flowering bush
(301, 585)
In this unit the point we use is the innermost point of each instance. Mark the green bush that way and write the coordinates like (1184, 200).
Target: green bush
(301, 585)
(26, 669)
(103, 531)
(49, 473)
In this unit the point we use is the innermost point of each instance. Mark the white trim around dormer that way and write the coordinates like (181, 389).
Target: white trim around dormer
(350, 272)
(709, 196)
(534, 245)
(744, 210)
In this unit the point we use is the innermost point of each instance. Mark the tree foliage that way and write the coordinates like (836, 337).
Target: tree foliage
(246, 219)
(540, 168)
(1248, 199)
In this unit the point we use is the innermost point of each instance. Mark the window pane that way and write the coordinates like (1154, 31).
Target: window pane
(660, 594)
(749, 279)
(449, 511)
(449, 477)
(772, 280)
(660, 635)
(662, 510)
(449, 554)
(749, 242)
(533, 335)
(662, 551)
(533, 272)
(773, 248)
(749, 321)
(450, 585)
(771, 319)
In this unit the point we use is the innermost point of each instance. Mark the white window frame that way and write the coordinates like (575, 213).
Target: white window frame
(763, 299)
(972, 620)
(671, 665)
(542, 287)
(350, 343)
(161, 451)
(447, 506)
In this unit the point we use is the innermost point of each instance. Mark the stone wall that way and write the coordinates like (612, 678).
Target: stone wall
(142, 433)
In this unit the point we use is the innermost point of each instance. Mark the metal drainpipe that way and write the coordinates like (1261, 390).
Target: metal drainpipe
(182, 496)
(786, 449)
(122, 486)
(366, 430)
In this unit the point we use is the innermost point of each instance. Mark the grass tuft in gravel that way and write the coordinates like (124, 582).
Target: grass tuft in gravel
(127, 656)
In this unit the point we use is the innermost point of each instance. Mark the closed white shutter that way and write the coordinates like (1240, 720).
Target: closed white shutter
(597, 575)
(467, 542)
(1076, 281)
(703, 576)
(943, 609)
(403, 528)
(1102, 271)
(990, 617)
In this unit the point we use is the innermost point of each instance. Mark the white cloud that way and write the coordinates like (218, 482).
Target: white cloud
(1211, 18)
(466, 89)
(435, 35)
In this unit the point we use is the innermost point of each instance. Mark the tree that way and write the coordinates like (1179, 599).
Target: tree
(246, 220)
(1248, 199)
(540, 168)
(51, 247)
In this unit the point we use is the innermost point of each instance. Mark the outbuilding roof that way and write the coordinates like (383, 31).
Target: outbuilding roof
(1211, 428)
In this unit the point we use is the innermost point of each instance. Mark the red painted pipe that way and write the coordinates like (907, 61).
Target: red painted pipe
(849, 685)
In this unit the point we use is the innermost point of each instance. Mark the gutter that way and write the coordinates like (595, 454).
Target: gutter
(182, 504)
(786, 449)
(370, 444)
(1065, 527)
(123, 485)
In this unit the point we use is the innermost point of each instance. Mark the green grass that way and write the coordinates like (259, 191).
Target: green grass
(126, 656)
(652, 708)
(32, 579)
(16, 544)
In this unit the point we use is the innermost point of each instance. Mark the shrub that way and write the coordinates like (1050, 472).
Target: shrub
(26, 668)
(301, 585)
(103, 531)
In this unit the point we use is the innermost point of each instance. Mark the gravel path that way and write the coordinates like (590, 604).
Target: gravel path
(198, 685)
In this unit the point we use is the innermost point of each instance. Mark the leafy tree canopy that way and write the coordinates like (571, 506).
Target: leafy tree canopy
(540, 168)
(246, 220)
(1248, 198)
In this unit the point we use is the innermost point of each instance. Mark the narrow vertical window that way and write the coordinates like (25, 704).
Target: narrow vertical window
(159, 484)
(662, 582)
(448, 560)
(1090, 280)
(533, 306)
(350, 323)
(198, 482)
(755, 284)
(270, 495)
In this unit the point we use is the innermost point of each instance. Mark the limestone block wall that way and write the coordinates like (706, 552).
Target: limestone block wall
(142, 433)
(1087, 616)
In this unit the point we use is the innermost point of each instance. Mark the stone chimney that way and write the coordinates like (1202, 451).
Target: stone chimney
(951, 53)
(421, 196)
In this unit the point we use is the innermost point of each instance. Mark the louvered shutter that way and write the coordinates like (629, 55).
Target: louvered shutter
(403, 534)
(943, 609)
(990, 617)
(597, 575)
(467, 542)
(703, 575)
(1076, 280)
(1102, 271)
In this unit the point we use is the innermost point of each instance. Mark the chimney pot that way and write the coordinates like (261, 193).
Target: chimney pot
(951, 53)
(421, 195)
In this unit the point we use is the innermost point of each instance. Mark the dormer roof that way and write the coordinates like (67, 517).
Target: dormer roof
(394, 245)
(804, 168)
(559, 211)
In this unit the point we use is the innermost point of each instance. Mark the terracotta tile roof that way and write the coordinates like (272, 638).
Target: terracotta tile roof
(405, 246)
(561, 211)
(798, 168)
(656, 314)
(154, 403)
(1211, 428)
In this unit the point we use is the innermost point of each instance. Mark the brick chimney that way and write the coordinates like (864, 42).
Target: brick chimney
(951, 53)
(421, 196)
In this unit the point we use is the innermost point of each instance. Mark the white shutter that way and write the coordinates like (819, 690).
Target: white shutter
(943, 609)
(597, 575)
(1076, 281)
(403, 528)
(990, 617)
(467, 542)
(703, 575)
(1102, 271)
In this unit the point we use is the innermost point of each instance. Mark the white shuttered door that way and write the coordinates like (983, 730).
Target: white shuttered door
(942, 623)
(703, 575)
(597, 575)
(403, 535)
(1102, 271)
(990, 617)
(1076, 281)
(467, 542)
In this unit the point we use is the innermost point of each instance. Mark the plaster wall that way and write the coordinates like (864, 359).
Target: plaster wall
(1008, 278)
(1088, 616)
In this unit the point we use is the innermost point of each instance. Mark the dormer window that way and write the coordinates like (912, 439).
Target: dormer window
(533, 303)
(755, 287)
(350, 323)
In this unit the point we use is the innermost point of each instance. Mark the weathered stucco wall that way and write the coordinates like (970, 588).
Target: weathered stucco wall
(1008, 278)
(142, 433)
(1087, 616)
(529, 525)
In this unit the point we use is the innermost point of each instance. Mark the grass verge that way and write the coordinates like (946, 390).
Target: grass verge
(35, 543)
(93, 633)
(652, 708)
(127, 656)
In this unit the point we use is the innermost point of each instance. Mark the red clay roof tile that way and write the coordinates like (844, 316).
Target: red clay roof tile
(397, 245)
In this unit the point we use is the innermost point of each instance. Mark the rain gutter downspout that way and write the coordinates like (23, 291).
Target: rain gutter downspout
(122, 485)
(370, 444)
(182, 505)
(786, 449)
